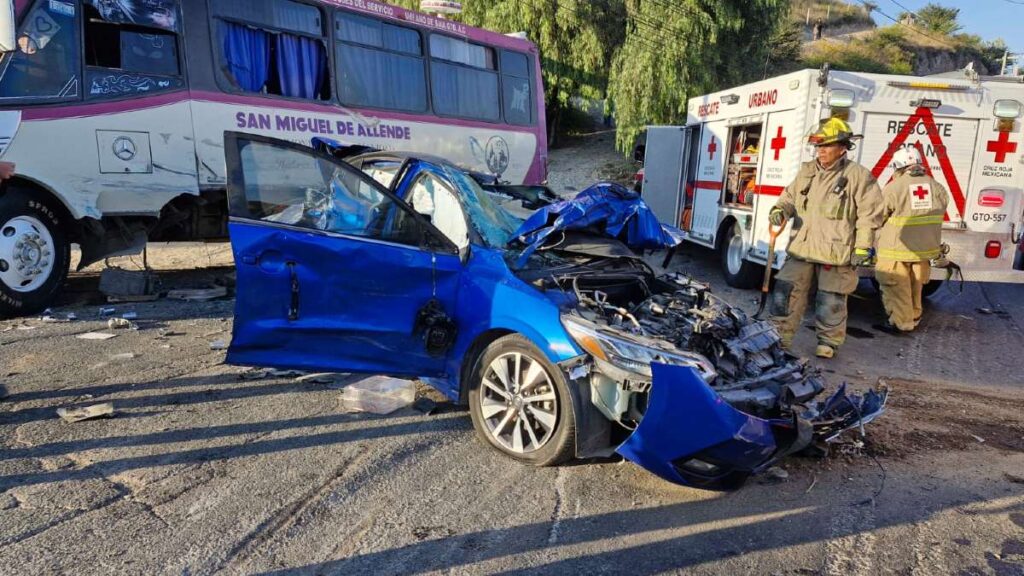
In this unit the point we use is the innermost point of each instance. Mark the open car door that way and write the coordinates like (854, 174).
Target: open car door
(333, 269)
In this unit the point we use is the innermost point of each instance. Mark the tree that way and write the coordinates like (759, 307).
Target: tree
(939, 19)
(675, 49)
(576, 39)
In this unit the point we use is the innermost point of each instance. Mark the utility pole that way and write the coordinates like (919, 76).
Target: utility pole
(1002, 70)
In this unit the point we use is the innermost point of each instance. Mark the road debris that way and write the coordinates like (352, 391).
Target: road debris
(425, 406)
(198, 294)
(378, 395)
(96, 336)
(107, 312)
(320, 378)
(1014, 478)
(130, 316)
(72, 415)
(774, 475)
(218, 345)
(121, 324)
(978, 438)
(287, 373)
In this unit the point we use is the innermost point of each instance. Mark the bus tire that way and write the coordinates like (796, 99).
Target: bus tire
(739, 272)
(35, 251)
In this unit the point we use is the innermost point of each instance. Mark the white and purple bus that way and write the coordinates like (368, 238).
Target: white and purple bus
(114, 112)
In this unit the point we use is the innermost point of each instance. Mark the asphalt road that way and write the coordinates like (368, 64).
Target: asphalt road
(203, 471)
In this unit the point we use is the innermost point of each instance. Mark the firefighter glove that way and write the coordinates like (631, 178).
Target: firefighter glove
(862, 257)
(776, 216)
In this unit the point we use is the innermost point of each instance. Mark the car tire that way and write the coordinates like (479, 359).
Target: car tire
(739, 272)
(34, 252)
(545, 427)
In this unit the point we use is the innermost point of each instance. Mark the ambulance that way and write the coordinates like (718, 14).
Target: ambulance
(718, 176)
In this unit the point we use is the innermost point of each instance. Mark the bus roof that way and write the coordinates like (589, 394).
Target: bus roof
(387, 11)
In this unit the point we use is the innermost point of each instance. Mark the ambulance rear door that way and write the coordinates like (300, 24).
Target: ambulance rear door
(663, 171)
(782, 144)
(708, 183)
(948, 144)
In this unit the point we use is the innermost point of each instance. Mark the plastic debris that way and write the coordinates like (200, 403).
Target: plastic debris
(96, 336)
(255, 374)
(72, 415)
(378, 395)
(218, 345)
(72, 317)
(107, 311)
(124, 356)
(198, 295)
(978, 438)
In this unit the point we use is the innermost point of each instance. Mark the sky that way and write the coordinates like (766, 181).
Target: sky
(989, 19)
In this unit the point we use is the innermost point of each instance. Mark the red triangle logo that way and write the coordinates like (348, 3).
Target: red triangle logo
(924, 116)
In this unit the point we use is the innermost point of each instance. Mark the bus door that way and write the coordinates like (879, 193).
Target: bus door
(708, 183)
(134, 66)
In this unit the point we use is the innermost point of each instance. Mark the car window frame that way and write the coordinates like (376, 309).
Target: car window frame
(431, 239)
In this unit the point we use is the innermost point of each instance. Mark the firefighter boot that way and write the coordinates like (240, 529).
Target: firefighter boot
(825, 351)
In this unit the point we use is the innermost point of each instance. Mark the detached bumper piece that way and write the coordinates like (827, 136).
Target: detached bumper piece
(691, 435)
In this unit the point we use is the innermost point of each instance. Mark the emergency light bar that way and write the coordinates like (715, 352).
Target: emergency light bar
(929, 85)
(840, 98)
(926, 103)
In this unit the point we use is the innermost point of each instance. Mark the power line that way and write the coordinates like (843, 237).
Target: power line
(875, 8)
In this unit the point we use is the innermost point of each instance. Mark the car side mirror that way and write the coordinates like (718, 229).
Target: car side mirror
(8, 41)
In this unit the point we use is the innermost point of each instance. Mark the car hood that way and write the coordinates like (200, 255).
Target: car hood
(604, 209)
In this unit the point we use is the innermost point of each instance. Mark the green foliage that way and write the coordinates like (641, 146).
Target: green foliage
(870, 54)
(674, 50)
(940, 19)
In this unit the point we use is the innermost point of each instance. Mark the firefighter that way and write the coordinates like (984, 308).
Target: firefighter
(913, 208)
(835, 207)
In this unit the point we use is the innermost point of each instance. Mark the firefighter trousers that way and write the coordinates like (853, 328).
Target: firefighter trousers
(792, 289)
(901, 284)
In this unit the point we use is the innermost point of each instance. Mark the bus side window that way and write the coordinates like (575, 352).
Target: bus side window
(515, 85)
(124, 58)
(380, 65)
(46, 65)
(273, 48)
(463, 79)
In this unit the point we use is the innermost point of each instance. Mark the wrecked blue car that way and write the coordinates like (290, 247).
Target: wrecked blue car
(560, 338)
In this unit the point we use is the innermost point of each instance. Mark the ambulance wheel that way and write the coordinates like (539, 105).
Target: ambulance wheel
(929, 289)
(34, 252)
(521, 404)
(738, 271)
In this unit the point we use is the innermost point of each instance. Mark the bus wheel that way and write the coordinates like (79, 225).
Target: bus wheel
(34, 252)
(739, 273)
(931, 288)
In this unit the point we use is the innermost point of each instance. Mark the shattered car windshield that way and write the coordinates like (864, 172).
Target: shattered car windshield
(494, 224)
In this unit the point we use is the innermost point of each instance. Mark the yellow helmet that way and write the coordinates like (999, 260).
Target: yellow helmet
(831, 131)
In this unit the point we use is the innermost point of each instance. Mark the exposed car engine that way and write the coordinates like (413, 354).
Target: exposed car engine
(677, 320)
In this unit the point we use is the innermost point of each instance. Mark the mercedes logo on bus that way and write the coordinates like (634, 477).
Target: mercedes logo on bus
(124, 148)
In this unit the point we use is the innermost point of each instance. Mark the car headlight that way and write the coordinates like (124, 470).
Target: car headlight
(629, 355)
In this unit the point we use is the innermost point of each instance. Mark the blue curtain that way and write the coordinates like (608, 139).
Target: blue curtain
(247, 52)
(301, 65)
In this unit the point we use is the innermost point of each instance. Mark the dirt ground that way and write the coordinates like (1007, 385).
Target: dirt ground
(208, 468)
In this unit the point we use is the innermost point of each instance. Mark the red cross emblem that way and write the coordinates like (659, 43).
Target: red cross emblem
(778, 143)
(921, 192)
(712, 147)
(1002, 147)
